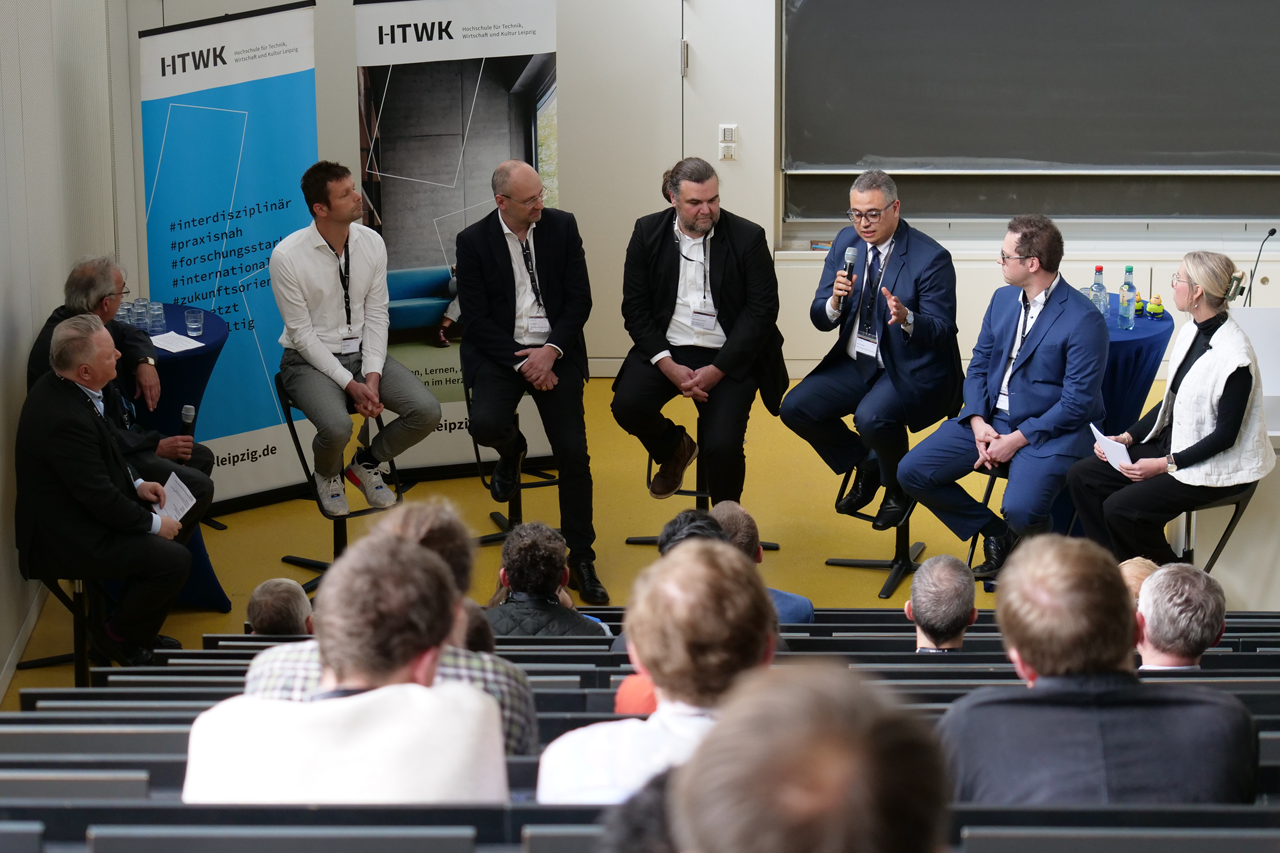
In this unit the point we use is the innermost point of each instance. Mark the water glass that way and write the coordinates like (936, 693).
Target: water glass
(141, 312)
(195, 322)
(157, 318)
(124, 315)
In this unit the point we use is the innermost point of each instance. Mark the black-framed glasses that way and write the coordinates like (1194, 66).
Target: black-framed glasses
(528, 202)
(870, 216)
(1004, 259)
(123, 293)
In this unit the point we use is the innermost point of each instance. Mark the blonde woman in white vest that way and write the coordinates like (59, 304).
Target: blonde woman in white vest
(1207, 438)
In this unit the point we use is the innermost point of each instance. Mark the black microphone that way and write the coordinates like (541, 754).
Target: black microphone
(1248, 300)
(850, 262)
(188, 420)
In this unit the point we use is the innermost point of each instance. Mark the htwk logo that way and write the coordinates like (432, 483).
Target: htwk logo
(200, 59)
(421, 32)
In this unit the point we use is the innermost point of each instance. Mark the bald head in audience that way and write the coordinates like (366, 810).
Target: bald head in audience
(941, 603)
(1181, 613)
(809, 759)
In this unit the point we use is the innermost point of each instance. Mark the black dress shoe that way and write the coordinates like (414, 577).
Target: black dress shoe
(995, 550)
(163, 642)
(893, 509)
(121, 651)
(506, 476)
(582, 577)
(865, 483)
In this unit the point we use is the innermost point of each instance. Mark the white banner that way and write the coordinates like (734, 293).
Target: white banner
(436, 30)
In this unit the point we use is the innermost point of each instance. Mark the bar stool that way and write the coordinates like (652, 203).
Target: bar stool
(1000, 472)
(1240, 500)
(339, 521)
(81, 607)
(905, 552)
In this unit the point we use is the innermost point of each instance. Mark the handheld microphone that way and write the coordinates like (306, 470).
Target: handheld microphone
(188, 420)
(850, 262)
(1248, 300)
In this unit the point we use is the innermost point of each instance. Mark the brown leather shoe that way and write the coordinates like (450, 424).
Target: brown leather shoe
(671, 475)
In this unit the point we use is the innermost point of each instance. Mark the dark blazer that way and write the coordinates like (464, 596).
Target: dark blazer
(134, 345)
(925, 365)
(743, 286)
(1055, 390)
(75, 491)
(487, 290)
(1100, 739)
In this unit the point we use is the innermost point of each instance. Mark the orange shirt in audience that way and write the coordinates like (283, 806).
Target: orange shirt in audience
(635, 696)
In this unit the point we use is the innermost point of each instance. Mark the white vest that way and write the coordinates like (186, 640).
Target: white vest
(1195, 411)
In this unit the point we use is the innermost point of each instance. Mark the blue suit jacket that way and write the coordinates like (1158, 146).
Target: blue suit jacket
(925, 365)
(1055, 390)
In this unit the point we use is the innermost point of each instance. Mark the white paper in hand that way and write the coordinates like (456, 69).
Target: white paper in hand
(1117, 454)
(177, 499)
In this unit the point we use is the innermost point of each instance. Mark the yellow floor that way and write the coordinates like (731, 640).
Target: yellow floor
(789, 491)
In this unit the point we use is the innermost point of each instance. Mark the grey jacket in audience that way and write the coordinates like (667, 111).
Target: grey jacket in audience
(1100, 738)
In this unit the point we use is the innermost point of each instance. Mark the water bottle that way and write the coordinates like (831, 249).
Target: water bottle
(1128, 300)
(1098, 293)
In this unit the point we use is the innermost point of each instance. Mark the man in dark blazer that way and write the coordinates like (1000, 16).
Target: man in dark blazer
(81, 512)
(1033, 388)
(525, 296)
(700, 301)
(895, 364)
(1084, 730)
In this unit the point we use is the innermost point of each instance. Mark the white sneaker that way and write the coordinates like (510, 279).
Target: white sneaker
(333, 496)
(369, 481)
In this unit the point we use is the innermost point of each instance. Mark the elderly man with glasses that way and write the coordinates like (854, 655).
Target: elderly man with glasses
(895, 365)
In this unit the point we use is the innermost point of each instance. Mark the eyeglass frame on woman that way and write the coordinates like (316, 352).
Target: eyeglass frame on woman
(1173, 282)
(541, 196)
(871, 216)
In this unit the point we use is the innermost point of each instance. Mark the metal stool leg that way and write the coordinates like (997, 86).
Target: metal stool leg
(905, 555)
(77, 604)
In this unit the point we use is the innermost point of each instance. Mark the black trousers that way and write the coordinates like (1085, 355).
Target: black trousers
(496, 391)
(1129, 517)
(194, 474)
(640, 392)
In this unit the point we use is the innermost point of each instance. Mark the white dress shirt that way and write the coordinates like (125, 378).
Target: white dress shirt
(693, 291)
(308, 292)
(527, 305)
(606, 763)
(95, 397)
(833, 313)
(1037, 305)
(403, 743)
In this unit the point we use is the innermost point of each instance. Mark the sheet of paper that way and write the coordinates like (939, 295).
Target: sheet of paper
(174, 342)
(177, 499)
(1117, 453)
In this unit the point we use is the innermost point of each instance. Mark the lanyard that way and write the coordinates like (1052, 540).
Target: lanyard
(533, 276)
(344, 275)
(706, 270)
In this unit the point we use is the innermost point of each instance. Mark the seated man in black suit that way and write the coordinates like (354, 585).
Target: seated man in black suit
(533, 568)
(82, 513)
(97, 286)
(1087, 732)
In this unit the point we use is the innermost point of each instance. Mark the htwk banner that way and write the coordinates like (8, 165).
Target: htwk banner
(436, 30)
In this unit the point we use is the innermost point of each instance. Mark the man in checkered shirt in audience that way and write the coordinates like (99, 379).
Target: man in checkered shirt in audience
(292, 670)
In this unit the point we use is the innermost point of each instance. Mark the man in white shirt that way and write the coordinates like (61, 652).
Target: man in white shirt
(698, 618)
(330, 284)
(700, 301)
(1181, 613)
(380, 731)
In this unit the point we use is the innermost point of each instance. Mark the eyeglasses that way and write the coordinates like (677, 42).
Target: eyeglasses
(1173, 282)
(528, 202)
(871, 216)
(122, 294)
(1004, 259)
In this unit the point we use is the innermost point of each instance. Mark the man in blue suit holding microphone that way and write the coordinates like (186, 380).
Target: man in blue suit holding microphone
(896, 363)
(1034, 386)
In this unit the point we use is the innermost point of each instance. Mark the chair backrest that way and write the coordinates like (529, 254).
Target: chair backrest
(21, 836)
(95, 740)
(281, 839)
(535, 838)
(75, 785)
(985, 839)
(415, 283)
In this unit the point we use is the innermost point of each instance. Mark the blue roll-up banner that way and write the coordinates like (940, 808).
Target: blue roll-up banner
(228, 128)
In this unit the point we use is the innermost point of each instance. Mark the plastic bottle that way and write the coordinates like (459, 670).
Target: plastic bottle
(1128, 300)
(1098, 293)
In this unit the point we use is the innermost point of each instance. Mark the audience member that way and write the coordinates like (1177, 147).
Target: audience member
(1087, 732)
(640, 824)
(292, 671)
(941, 604)
(744, 535)
(811, 759)
(1136, 570)
(478, 636)
(280, 606)
(534, 568)
(381, 730)
(1181, 612)
(697, 618)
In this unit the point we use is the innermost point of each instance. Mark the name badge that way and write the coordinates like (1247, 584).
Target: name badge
(867, 345)
(539, 325)
(1002, 402)
(350, 346)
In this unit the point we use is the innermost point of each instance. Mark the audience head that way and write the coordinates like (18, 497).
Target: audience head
(479, 633)
(874, 196)
(690, 524)
(1135, 570)
(330, 192)
(1063, 609)
(280, 606)
(1209, 277)
(810, 759)
(1182, 612)
(384, 609)
(941, 601)
(82, 351)
(640, 824)
(694, 189)
(95, 286)
(534, 560)
(698, 617)
(740, 527)
(435, 525)
(1033, 245)
(518, 192)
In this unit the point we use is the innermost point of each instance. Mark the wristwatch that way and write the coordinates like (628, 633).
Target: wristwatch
(1170, 466)
(148, 360)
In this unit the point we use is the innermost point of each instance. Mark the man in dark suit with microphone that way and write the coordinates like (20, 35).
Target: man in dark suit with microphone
(1033, 388)
(896, 363)
(525, 296)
